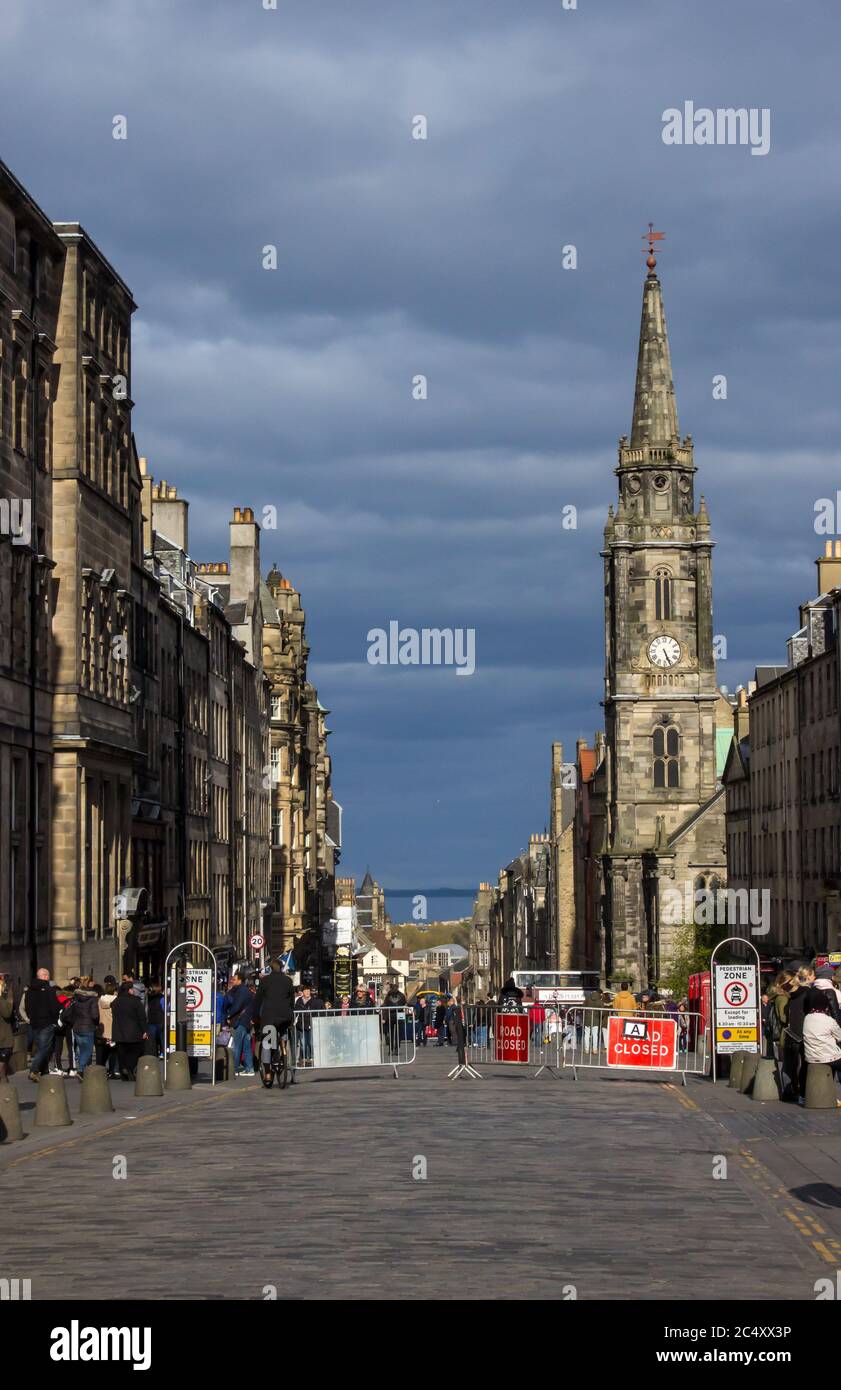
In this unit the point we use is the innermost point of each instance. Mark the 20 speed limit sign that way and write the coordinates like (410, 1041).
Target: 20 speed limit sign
(257, 942)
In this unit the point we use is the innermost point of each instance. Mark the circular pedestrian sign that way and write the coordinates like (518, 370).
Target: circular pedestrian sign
(257, 943)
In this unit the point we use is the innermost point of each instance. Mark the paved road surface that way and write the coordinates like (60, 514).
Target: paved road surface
(533, 1187)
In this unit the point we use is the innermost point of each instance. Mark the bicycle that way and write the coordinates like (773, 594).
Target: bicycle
(274, 1058)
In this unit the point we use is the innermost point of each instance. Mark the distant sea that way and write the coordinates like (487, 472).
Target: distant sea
(442, 904)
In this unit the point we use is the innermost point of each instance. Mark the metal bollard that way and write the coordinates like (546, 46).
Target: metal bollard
(737, 1061)
(148, 1077)
(765, 1085)
(749, 1067)
(10, 1121)
(178, 1072)
(821, 1093)
(96, 1095)
(51, 1108)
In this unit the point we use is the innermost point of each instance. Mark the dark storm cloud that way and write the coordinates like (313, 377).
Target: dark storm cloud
(396, 257)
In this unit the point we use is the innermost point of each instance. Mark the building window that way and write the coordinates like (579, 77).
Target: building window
(662, 595)
(666, 743)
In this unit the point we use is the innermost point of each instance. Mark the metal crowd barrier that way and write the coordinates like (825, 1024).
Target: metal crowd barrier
(551, 1037)
(642, 1040)
(328, 1040)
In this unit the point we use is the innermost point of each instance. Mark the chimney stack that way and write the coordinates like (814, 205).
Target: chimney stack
(829, 567)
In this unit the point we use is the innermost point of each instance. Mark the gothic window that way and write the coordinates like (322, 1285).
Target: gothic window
(666, 744)
(662, 595)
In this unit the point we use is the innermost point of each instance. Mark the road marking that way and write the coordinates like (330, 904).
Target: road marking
(803, 1221)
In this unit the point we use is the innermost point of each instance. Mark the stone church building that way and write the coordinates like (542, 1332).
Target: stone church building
(667, 725)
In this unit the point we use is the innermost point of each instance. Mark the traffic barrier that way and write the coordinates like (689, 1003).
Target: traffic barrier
(11, 1127)
(766, 1084)
(329, 1040)
(51, 1108)
(749, 1066)
(554, 1037)
(645, 1041)
(737, 1061)
(95, 1098)
(148, 1077)
(178, 1072)
(821, 1091)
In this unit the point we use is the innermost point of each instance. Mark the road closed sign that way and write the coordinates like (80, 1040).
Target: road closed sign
(511, 1038)
(736, 1017)
(642, 1042)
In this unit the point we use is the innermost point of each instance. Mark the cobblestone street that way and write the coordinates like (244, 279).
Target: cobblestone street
(533, 1188)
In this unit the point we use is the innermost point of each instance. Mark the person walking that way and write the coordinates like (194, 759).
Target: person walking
(40, 1001)
(682, 1019)
(81, 1018)
(106, 1052)
(420, 1020)
(440, 1020)
(129, 1030)
(64, 1031)
(792, 1010)
(308, 1004)
(238, 1012)
(155, 1018)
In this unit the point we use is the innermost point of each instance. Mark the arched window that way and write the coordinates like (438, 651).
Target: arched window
(662, 595)
(666, 747)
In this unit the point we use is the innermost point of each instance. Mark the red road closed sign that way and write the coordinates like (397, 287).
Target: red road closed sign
(642, 1042)
(511, 1038)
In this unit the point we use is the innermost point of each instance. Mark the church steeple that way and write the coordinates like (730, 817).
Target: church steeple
(655, 410)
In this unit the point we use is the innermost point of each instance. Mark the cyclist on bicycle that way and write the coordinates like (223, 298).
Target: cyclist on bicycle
(274, 1003)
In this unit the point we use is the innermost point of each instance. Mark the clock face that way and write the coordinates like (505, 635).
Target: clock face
(664, 651)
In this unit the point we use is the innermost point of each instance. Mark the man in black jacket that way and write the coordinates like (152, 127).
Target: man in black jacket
(42, 1008)
(274, 1001)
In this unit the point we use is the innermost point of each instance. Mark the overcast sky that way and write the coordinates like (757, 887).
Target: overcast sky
(293, 388)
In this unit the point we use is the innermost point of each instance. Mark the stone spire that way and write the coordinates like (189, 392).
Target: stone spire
(655, 410)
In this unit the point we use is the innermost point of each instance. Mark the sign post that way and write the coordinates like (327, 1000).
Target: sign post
(191, 1026)
(736, 1004)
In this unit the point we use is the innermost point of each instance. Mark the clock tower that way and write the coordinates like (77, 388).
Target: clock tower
(664, 807)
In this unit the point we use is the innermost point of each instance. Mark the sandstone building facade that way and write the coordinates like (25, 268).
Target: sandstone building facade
(156, 723)
(783, 786)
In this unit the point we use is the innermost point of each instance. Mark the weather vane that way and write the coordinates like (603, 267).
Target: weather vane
(651, 237)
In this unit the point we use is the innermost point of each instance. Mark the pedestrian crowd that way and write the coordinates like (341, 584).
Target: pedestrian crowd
(67, 1027)
(801, 1024)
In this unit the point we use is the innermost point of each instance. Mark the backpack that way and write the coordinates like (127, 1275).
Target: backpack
(774, 1027)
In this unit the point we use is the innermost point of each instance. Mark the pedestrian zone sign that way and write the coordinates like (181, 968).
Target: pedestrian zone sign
(642, 1042)
(736, 1015)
